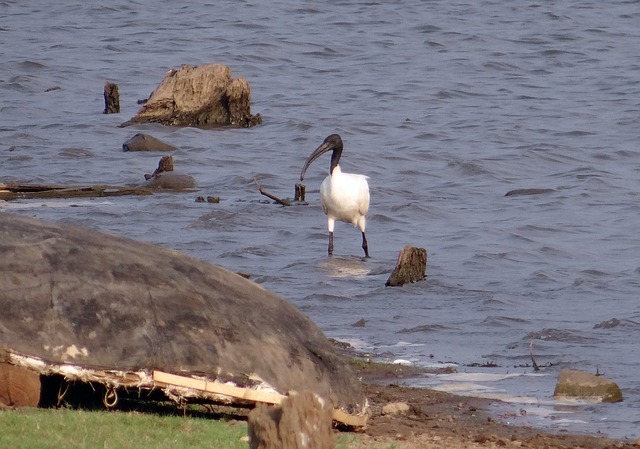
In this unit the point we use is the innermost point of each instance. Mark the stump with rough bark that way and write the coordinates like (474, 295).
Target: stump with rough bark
(410, 267)
(19, 387)
(201, 96)
(111, 98)
(301, 421)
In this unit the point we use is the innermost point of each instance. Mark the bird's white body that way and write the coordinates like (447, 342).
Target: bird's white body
(345, 197)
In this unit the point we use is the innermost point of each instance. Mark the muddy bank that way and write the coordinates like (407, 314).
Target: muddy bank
(437, 419)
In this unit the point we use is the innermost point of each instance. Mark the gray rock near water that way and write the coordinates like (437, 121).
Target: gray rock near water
(72, 295)
(145, 142)
(580, 385)
(170, 181)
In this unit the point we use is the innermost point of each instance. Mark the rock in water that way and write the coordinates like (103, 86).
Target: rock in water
(410, 267)
(145, 142)
(580, 385)
(75, 296)
(202, 96)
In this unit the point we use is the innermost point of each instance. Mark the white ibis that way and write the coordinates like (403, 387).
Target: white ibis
(344, 196)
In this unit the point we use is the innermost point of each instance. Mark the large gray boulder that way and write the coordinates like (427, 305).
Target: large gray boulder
(575, 384)
(74, 296)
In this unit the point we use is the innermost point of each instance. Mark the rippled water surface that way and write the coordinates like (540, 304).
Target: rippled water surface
(446, 106)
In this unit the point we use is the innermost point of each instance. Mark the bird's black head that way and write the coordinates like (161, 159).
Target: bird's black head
(331, 143)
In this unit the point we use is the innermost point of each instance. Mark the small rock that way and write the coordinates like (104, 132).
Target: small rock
(360, 323)
(578, 384)
(171, 181)
(521, 192)
(145, 142)
(395, 408)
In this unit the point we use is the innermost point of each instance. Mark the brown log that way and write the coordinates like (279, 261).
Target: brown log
(302, 421)
(19, 387)
(269, 195)
(410, 267)
(111, 98)
(12, 191)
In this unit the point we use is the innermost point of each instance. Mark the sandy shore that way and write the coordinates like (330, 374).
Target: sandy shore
(437, 419)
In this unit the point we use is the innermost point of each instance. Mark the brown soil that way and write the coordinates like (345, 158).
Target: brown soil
(437, 419)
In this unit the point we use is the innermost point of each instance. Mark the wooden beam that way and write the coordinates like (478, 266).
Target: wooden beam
(268, 397)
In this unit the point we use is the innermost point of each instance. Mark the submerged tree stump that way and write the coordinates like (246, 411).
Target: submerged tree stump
(301, 421)
(410, 267)
(111, 98)
(19, 387)
(299, 193)
(202, 96)
(165, 164)
(165, 178)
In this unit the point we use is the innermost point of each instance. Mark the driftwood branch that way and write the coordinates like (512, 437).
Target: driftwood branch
(273, 197)
(535, 365)
(13, 191)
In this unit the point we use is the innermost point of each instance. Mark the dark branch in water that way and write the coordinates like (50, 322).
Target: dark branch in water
(273, 197)
(535, 365)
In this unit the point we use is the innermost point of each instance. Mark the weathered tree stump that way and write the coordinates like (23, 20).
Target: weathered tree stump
(202, 96)
(19, 387)
(165, 164)
(301, 421)
(299, 192)
(111, 98)
(145, 142)
(410, 267)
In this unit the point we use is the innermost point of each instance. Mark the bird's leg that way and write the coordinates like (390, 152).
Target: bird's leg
(365, 247)
(330, 243)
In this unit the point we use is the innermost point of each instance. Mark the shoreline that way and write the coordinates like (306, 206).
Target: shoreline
(438, 419)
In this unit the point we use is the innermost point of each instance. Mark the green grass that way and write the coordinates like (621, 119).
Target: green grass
(71, 429)
(34, 428)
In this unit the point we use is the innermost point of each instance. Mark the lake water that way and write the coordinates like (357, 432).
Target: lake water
(446, 106)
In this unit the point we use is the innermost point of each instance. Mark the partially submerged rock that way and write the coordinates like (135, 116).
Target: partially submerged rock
(88, 305)
(202, 96)
(580, 385)
(171, 181)
(522, 192)
(145, 142)
(164, 177)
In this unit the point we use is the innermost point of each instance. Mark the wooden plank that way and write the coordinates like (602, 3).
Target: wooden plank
(268, 397)
(218, 388)
(14, 191)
